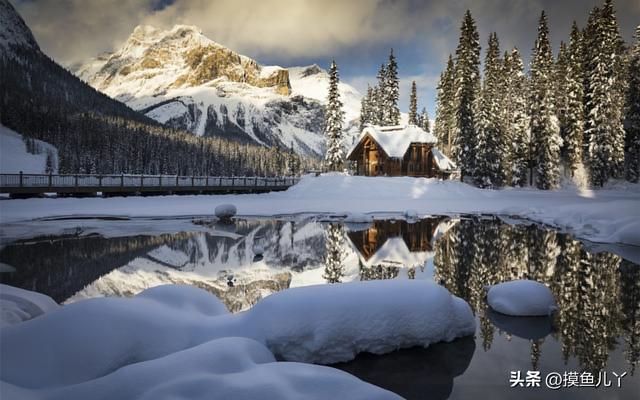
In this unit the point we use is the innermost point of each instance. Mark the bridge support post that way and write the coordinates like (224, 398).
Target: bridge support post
(20, 178)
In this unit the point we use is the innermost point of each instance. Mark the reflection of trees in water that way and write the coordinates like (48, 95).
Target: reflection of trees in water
(60, 268)
(630, 308)
(588, 287)
(334, 253)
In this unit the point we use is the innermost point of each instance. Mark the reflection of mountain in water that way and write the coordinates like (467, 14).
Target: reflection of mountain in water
(598, 294)
(60, 268)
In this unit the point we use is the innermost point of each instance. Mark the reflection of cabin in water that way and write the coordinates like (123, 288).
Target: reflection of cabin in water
(396, 243)
(399, 151)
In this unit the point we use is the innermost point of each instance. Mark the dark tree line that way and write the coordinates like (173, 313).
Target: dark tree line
(96, 134)
(598, 294)
(577, 112)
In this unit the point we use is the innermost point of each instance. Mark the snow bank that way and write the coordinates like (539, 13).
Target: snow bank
(17, 305)
(521, 298)
(332, 323)
(607, 215)
(119, 346)
(225, 211)
(227, 368)
(358, 218)
(14, 156)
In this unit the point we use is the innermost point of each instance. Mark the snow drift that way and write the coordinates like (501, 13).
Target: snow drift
(17, 305)
(522, 298)
(118, 344)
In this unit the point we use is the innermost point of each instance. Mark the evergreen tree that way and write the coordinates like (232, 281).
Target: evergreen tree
(423, 120)
(573, 117)
(544, 124)
(517, 119)
(632, 117)
(334, 116)
(379, 109)
(605, 101)
(560, 88)
(491, 145)
(466, 87)
(391, 92)
(413, 105)
(366, 111)
(444, 128)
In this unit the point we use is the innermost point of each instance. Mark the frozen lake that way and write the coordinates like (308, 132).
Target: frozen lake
(595, 331)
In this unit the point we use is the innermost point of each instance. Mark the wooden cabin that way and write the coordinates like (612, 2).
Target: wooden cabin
(399, 151)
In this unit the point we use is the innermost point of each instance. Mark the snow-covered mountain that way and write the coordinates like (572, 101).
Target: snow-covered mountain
(14, 33)
(183, 79)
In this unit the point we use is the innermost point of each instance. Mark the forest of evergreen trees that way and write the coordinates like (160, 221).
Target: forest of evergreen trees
(577, 113)
(379, 106)
(96, 134)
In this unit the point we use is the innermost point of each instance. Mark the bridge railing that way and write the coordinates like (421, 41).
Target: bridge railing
(139, 181)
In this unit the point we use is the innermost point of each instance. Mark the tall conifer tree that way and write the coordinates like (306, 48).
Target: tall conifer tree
(334, 117)
(466, 87)
(544, 123)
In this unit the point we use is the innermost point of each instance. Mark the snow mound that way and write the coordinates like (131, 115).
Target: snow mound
(225, 211)
(521, 298)
(229, 368)
(17, 305)
(333, 323)
(171, 339)
(358, 218)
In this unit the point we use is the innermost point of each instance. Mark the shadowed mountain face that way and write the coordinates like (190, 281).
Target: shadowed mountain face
(183, 79)
(94, 133)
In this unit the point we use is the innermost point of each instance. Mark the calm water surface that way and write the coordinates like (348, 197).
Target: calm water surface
(596, 330)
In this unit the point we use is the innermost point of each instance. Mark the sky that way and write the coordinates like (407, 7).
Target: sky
(358, 34)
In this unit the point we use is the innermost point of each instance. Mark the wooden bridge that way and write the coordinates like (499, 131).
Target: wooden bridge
(27, 185)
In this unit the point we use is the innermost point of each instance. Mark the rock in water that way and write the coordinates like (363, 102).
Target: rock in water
(524, 298)
(225, 212)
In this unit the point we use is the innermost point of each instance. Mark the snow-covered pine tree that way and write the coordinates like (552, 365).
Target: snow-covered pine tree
(445, 116)
(605, 101)
(391, 92)
(518, 119)
(334, 255)
(423, 120)
(466, 87)
(490, 143)
(413, 105)
(334, 116)
(560, 86)
(379, 109)
(574, 122)
(365, 108)
(544, 123)
(632, 117)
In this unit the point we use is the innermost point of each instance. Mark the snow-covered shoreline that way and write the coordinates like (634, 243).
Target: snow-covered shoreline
(609, 215)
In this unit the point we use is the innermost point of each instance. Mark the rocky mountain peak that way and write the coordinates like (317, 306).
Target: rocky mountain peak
(13, 31)
(181, 57)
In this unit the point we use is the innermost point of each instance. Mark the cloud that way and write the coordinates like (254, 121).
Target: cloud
(74, 30)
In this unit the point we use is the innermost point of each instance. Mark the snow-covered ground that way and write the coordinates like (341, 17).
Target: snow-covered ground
(610, 215)
(177, 341)
(14, 156)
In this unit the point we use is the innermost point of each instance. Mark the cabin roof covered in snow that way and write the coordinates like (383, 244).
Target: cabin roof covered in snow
(443, 162)
(396, 139)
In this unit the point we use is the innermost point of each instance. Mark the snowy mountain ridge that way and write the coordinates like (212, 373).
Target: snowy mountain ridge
(185, 80)
(13, 31)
